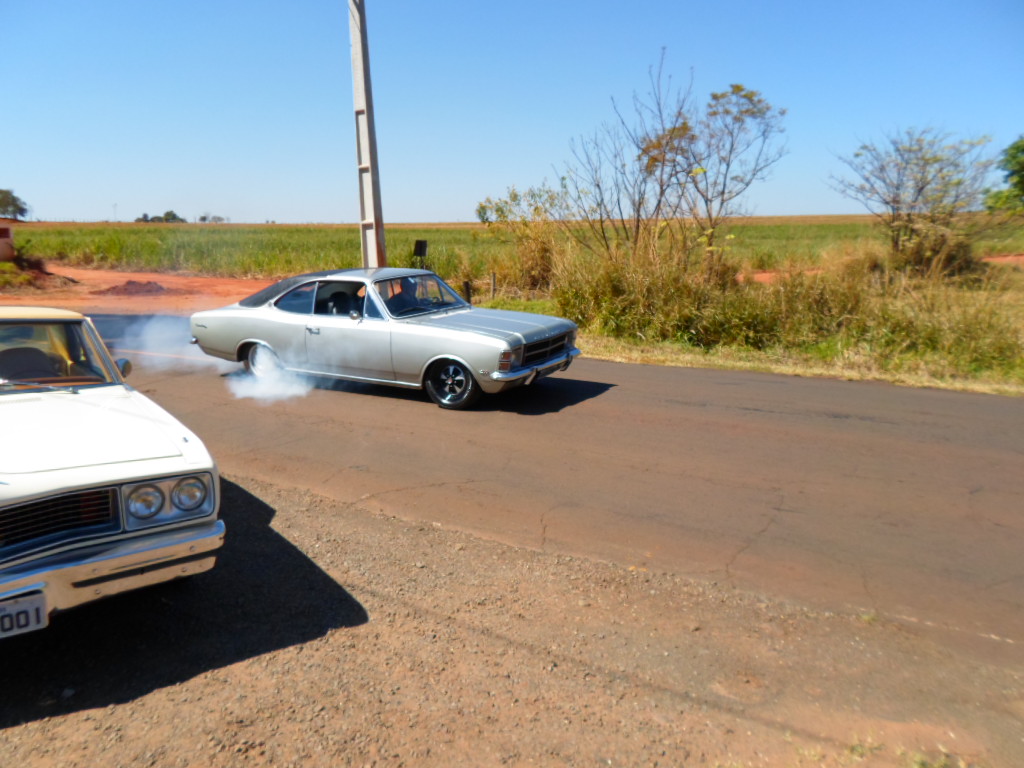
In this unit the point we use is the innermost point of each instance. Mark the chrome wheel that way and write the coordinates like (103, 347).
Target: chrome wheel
(261, 362)
(451, 385)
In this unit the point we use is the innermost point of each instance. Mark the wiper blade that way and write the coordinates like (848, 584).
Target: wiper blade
(30, 384)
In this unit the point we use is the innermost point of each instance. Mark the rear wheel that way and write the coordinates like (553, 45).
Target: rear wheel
(451, 385)
(261, 362)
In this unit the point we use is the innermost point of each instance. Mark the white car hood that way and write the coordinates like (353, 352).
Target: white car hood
(51, 431)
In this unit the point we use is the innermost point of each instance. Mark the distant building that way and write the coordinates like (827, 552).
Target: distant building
(6, 243)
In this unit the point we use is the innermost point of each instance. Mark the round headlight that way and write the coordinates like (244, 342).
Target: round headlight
(189, 494)
(145, 501)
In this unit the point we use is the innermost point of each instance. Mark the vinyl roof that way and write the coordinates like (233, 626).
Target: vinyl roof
(38, 313)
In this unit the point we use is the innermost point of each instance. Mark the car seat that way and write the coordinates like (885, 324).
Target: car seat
(339, 304)
(26, 363)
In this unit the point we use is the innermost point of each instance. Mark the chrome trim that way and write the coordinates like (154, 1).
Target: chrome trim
(85, 574)
(559, 363)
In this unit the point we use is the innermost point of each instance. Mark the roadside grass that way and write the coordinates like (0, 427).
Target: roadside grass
(828, 311)
(12, 277)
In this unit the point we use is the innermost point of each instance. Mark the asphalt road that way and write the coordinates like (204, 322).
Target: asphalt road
(902, 503)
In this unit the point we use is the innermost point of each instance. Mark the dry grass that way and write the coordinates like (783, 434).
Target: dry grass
(851, 368)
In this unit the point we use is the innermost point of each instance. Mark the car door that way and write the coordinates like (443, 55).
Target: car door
(283, 325)
(347, 335)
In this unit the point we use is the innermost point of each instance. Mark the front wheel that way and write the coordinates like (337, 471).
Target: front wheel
(451, 385)
(261, 362)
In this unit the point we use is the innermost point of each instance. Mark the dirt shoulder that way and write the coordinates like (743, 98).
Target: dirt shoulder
(329, 635)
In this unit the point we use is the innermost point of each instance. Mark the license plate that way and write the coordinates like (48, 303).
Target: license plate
(23, 614)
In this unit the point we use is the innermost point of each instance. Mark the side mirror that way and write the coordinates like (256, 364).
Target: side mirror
(124, 366)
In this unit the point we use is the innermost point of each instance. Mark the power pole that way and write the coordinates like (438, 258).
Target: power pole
(371, 220)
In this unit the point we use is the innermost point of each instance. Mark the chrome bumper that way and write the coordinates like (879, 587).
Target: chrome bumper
(84, 574)
(526, 376)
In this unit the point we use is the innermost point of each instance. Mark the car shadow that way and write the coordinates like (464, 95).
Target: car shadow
(367, 388)
(263, 595)
(546, 396)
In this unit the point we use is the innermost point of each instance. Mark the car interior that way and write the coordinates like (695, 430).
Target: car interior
(44, 353)
(339, 299)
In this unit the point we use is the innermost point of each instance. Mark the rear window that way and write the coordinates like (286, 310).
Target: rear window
(260, 298)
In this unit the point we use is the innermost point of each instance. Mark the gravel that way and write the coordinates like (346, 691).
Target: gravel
(329, 635)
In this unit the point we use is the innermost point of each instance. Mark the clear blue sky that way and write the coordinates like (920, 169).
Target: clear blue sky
(114, 108)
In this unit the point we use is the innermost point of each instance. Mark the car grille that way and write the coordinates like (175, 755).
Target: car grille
(56, 519)
(539, 351)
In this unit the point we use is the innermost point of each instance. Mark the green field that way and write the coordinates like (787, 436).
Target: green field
(455, 250)
(240, 250)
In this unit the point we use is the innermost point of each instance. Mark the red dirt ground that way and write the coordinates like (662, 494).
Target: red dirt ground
(112, 292)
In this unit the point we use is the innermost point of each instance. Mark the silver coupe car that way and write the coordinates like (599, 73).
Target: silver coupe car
(402, 327)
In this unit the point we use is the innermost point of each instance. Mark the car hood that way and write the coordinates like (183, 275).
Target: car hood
(520, 327)
(52, 431)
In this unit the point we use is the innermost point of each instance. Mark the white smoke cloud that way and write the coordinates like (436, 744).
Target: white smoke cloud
(269, 388)
(162, 343)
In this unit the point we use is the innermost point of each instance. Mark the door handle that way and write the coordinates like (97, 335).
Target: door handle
(312, 330)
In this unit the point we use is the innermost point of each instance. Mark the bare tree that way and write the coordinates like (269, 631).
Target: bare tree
(667, 179)
(656, 185)
(622, 198)
(716, 155)
(922, 186)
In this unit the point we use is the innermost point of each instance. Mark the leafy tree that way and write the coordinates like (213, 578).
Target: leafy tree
(526, 218)
(12, 206)
(1010, 199)
(170, 217)
(921, 185)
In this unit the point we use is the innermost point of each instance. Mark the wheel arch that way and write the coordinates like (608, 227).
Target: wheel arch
(242, 350)
(441, 358)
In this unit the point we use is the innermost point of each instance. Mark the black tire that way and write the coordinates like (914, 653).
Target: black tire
(451, 385)
(261, 362)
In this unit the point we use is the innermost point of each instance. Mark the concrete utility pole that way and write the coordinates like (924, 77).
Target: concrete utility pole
(371, 223)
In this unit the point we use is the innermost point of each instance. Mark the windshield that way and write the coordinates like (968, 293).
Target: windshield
(416, 295)
(39, 354)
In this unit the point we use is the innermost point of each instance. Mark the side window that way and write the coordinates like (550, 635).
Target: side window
(299, 300)
(370, 308)
(339, 298)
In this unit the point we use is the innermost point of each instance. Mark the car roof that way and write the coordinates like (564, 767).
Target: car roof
(38, 313)
(369, 273)
(366, 274)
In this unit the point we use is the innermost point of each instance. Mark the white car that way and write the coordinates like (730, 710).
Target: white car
(101, 490)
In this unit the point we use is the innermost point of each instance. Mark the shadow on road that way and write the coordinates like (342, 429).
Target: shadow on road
(547, 396)
(263, 595)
